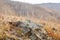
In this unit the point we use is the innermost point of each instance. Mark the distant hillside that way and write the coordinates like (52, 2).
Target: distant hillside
(5, 9)
(51, 5)
(29, 10)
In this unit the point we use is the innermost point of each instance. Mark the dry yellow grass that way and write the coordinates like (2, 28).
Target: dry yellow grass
(48, 25)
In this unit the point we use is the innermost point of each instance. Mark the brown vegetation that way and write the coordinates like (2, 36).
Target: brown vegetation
(48, 25)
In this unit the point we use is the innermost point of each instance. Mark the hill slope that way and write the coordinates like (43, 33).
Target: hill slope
(29, 10)
(55, 6)
(5, 9)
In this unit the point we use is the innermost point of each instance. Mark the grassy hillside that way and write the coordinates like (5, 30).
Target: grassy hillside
(22, 21)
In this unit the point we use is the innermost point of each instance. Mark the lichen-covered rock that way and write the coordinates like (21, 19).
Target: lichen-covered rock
(31, 30)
